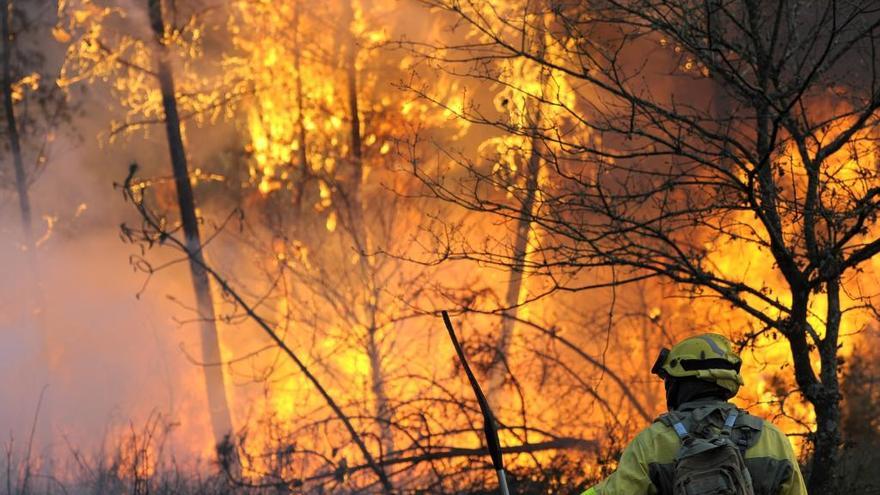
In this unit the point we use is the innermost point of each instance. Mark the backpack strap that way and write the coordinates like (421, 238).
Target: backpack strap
(672, 419)
(729, 422)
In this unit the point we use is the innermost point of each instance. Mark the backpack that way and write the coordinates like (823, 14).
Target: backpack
(709, 461)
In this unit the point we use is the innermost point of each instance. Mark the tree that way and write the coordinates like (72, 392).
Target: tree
(34, 111)
(327, 203)
(33, 107)
(21, 181)
(698, 130)
(521, 159)
(221, 419)
(321, 162)
(106, 44)
(300, 141)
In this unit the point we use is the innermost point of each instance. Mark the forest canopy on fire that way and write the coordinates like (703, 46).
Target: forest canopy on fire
(228, 229)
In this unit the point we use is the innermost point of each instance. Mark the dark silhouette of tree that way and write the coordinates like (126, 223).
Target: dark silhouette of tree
(36, 112)
(142, 58)
(12, 125)
(221, 419)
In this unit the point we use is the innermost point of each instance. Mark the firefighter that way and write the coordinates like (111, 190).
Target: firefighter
(704, 444)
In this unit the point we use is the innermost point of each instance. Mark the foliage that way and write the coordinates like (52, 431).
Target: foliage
(43, 113)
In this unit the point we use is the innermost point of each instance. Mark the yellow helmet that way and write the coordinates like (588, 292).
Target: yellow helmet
(708, 356)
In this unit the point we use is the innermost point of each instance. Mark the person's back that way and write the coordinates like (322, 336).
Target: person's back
(752, 456)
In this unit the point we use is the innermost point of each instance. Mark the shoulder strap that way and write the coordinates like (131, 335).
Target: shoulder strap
(672, 420)
(735, 420)
(665, 419)
(729, 421)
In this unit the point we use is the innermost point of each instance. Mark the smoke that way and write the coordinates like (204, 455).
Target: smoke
(73, 328)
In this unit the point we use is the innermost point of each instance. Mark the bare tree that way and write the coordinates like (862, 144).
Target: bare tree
(221, 420)
(34, 107)
(528, 115)
(34, 110)
(692, 127)
(142, 58)
(21, 180)
(333, 202)
(353, 199)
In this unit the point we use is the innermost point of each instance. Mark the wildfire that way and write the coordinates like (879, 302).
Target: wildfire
(346, 258)
(769, 387)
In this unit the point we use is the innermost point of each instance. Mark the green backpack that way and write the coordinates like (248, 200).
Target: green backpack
(709, 461)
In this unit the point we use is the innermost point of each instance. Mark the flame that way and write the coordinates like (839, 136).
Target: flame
(287, 95)
(769, 382)
(50, 227)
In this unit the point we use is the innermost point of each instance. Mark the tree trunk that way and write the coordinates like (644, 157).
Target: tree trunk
(221, 421)
(383, 409)
(304, 171)
(825, 450)
(21, 185)
(356, 153)
(821, 392)
(32, 311)
(515, 282)
(360, 234)
(513, 296)
(827, 404)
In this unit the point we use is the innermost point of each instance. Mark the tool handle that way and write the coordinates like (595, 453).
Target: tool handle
(489, 426)
(502, 482)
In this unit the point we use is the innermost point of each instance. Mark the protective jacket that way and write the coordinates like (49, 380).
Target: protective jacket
(647, 464)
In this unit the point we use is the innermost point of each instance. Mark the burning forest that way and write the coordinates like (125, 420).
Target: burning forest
(229, 229)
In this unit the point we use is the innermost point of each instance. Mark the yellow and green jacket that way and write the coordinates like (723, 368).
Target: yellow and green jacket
(647, 464)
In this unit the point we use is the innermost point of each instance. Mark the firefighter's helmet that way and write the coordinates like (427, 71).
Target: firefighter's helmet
(706, 356)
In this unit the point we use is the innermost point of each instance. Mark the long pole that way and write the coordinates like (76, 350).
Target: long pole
(489, 427)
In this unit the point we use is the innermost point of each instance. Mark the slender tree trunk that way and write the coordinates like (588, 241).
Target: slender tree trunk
(360, 234)
(383, 410)
(303, 172)
(221, 421)
(515, 282)
(33, 309)
(520, 250)
(356, 152)
(21, 185)
(827, 404)
(827, 443)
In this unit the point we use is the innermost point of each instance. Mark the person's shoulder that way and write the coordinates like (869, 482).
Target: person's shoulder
(658, 428)
(772, 442)
(655, 443)
(770, 430)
